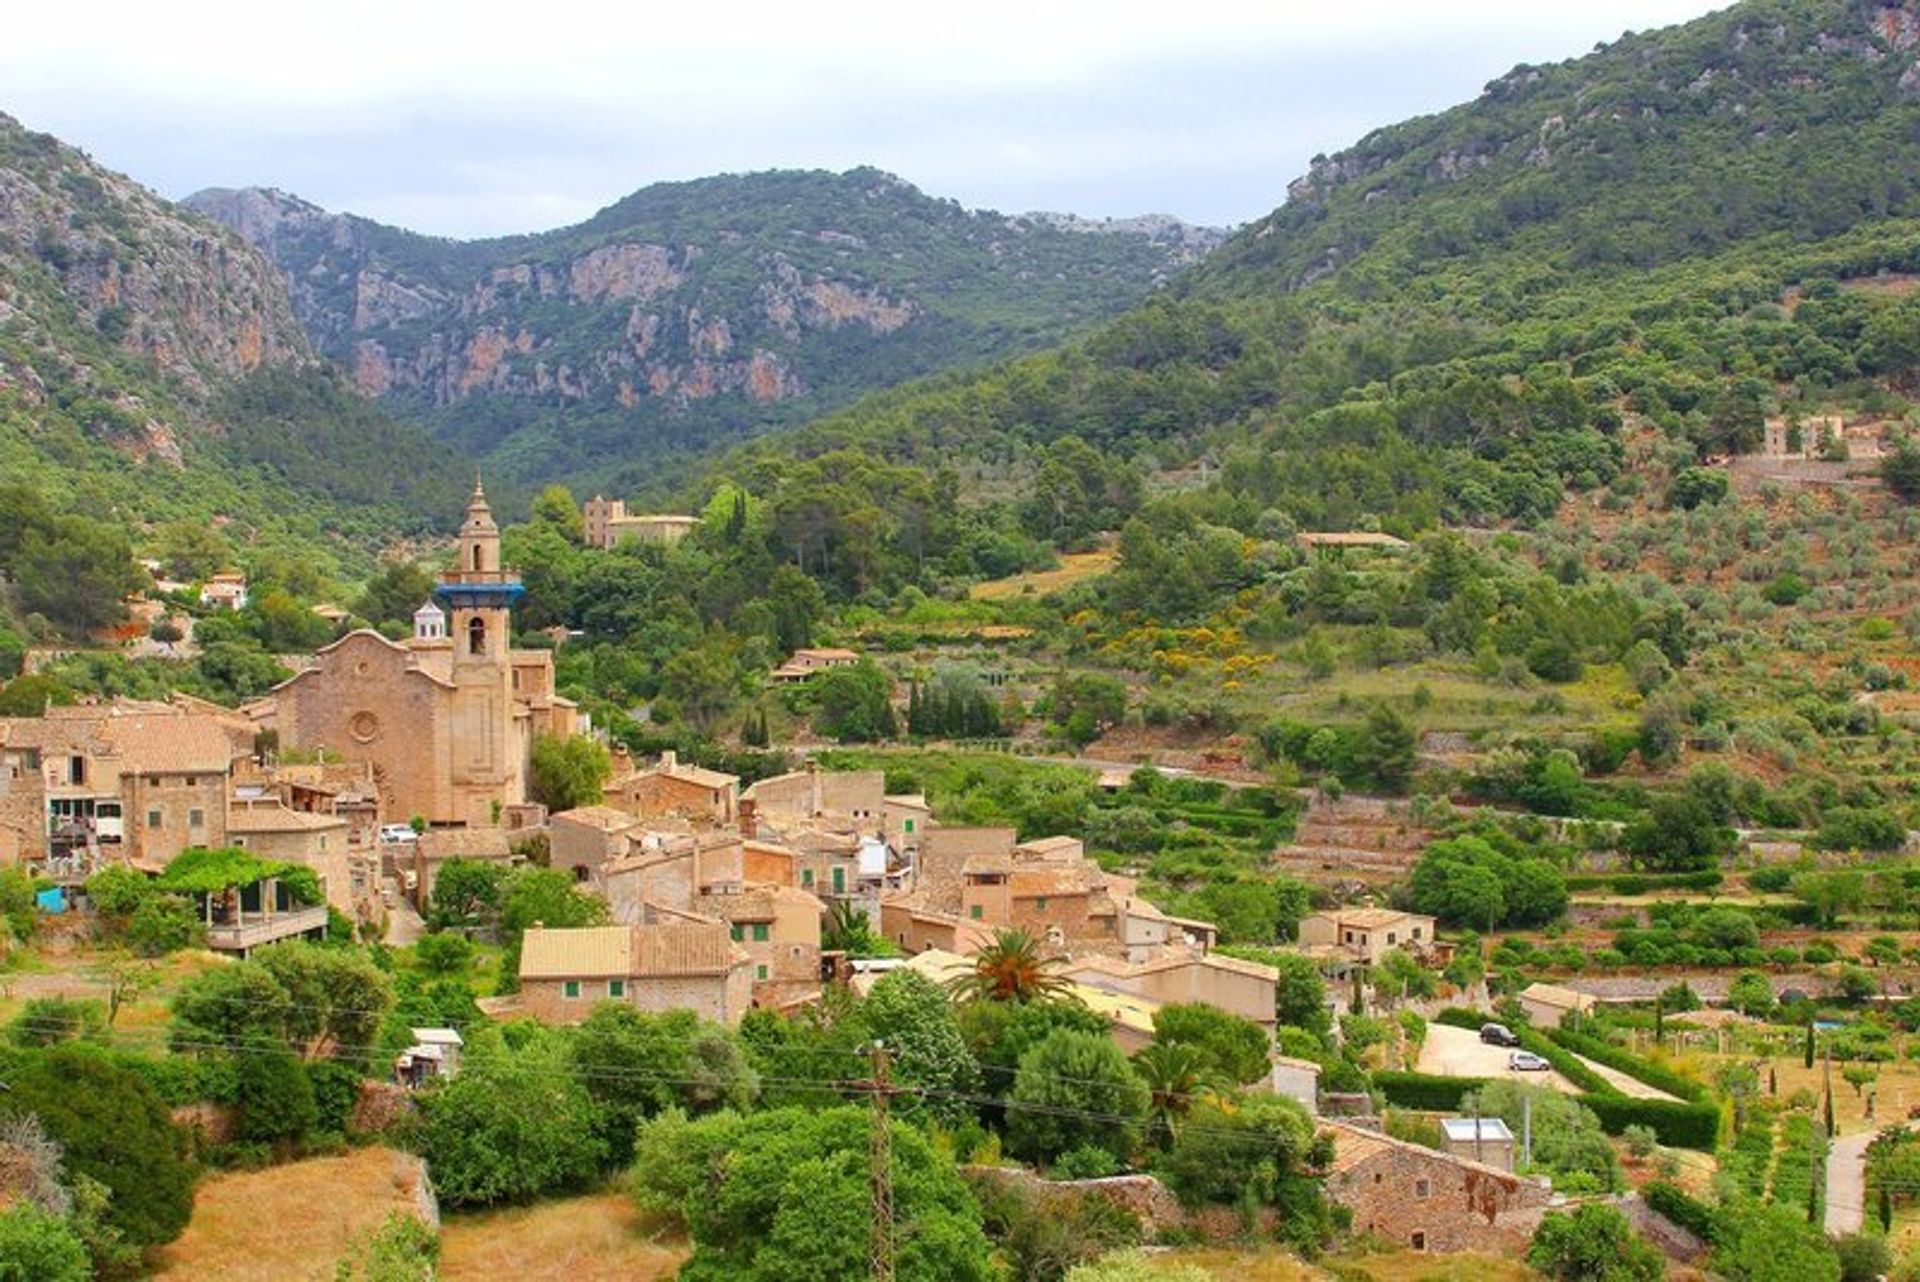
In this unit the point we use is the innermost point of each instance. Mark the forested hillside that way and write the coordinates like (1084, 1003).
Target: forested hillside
(152, 372)
(1451, 320)
(690, 314)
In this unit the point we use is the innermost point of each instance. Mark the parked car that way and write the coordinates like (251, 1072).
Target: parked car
(1527, 1062)
(1498, 1035)
(397, 834)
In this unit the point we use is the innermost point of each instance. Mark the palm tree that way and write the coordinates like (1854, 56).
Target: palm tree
(1177, 1076)
(1010, 969)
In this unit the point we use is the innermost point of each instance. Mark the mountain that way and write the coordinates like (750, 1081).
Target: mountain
(690, 314)
(152, 369)
(1463, 317)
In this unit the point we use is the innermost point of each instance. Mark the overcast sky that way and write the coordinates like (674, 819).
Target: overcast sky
(482, 119)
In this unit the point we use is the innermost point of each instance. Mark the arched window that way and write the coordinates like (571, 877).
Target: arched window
(476, 556)
(476, 636)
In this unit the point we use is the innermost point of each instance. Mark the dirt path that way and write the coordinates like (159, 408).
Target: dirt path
(1631, 1087)
(1459, 1052)
(1847, 1182)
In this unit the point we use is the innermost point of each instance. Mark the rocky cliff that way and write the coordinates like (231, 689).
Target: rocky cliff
(690, 312)
(152, 367)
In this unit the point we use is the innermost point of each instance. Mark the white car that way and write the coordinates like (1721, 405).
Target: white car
(397, 834)
(1527, 1062)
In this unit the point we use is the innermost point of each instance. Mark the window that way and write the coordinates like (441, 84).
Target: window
(760, 932)
(1416, 932)
(1349, 937)
(909, 827)
(570, 989)
(76, 769)
(1040, 904)
(197, 818)
(974, 912)
(759, 972)
(1419, 1241)
(153, 818)
(1390, 937)
(616, 988)
(476, 556)
(737, 931)
(806, 879)
(1423, 1188)
(839, 880)
(323, 845)
(476, 635)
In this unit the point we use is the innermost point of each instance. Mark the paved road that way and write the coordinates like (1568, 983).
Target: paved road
(1459, 1052)
(1847, 1182)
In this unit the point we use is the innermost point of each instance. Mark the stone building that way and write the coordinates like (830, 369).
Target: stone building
(447, 720)
(1426, 1200)
(270, 830)
(1365, 934)
(671, 789)
(779, 929)
(666, 961)
(125, 780)
(604, 522)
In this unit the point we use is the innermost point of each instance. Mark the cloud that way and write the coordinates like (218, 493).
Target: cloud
(490, 119)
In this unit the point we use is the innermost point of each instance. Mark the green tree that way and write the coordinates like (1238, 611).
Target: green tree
(568, 772)
(1761, 1242)
(77, 573)
(703, 682)
(402, 1249)
(1593, 1243)
(337, 998)
(115, 1129)
(509, 1128)
(785, 1194)
(1232, 1049)
(38, 1247)
(853, 704)
(466, 893)
(396, 590)
(1751, 994)
(1178, 1076)
(1900, 469)
(1075, 1090)
(636, 1065)
(1254, 1151)
(273, 1100)
(1679, 833)
(1010, 969)
(1388, 744)
(915, 1018)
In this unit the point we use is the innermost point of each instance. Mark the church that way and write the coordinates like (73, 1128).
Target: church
(446, 719)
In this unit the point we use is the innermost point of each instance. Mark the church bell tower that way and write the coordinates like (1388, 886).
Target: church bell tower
(478, 595)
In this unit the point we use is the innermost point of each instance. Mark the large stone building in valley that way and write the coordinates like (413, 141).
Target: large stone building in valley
(446, 720)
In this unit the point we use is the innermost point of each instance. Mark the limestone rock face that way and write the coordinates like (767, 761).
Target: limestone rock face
(693, 310)
(136, 269)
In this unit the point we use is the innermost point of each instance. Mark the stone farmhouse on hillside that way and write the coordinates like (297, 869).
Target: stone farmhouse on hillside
(604, 522)
(1427, 1200)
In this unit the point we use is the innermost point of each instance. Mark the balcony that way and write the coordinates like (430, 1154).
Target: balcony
(256, 930)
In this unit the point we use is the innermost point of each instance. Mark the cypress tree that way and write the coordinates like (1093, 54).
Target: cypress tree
(1886, 1211)
(1809, 1054)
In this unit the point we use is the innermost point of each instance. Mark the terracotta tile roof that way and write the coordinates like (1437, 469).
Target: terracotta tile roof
(244, 819)
(465, 843)
(1554, 995)
(699, 776)
(671, 949)
(1354, 1145)
(1039, 883)
(605, 818)
(1351, 539)
(168, 744)
(1045, 846)
(588, 951)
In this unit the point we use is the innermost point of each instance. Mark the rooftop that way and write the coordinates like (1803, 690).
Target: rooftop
(246, 819)
(568, 954)
(1461, 1129)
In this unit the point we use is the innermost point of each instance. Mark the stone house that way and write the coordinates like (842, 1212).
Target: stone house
(270, 830)
(131, 780)
(849, 800)
(671, 868)
(1426, 1200)
(1548, 1005)
(1242, 988)
(225, 591)
(438, 846)
(779, 929)
(671, 789)
(604, 522)
(806, 662)
(1298, 1080)
(584, 841)
(667, 961)
(1365, 934)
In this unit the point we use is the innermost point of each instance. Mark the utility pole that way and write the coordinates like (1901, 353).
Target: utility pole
(1526, 1130)
(880, 1088)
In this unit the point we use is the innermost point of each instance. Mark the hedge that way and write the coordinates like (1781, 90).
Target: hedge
(1639, 883)
(1426, 1092)
(1460, 1017)
(1685, 1210)
(1655, 1075)
(1564, 1063)
(1694, 1126)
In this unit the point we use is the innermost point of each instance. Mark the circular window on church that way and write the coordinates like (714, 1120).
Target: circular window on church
(364, 726)
(360, 668)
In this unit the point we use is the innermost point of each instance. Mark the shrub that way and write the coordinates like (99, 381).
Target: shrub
(1689, 1212)
(1425, 1092)
(1075, 1090)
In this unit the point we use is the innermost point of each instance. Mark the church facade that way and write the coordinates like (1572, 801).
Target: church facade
(446, 719)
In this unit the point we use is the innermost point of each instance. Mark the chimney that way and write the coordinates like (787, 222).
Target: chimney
(669, 759)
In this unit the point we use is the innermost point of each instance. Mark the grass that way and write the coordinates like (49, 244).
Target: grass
(1074, 567)
(596, 1238)
(288, 1222)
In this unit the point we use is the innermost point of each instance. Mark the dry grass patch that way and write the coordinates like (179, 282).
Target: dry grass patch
(1074, 567)
(1417, 1266)
(598, 1238)
(289, 1222)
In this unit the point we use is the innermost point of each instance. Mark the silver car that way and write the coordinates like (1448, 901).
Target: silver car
(1527, 1062)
